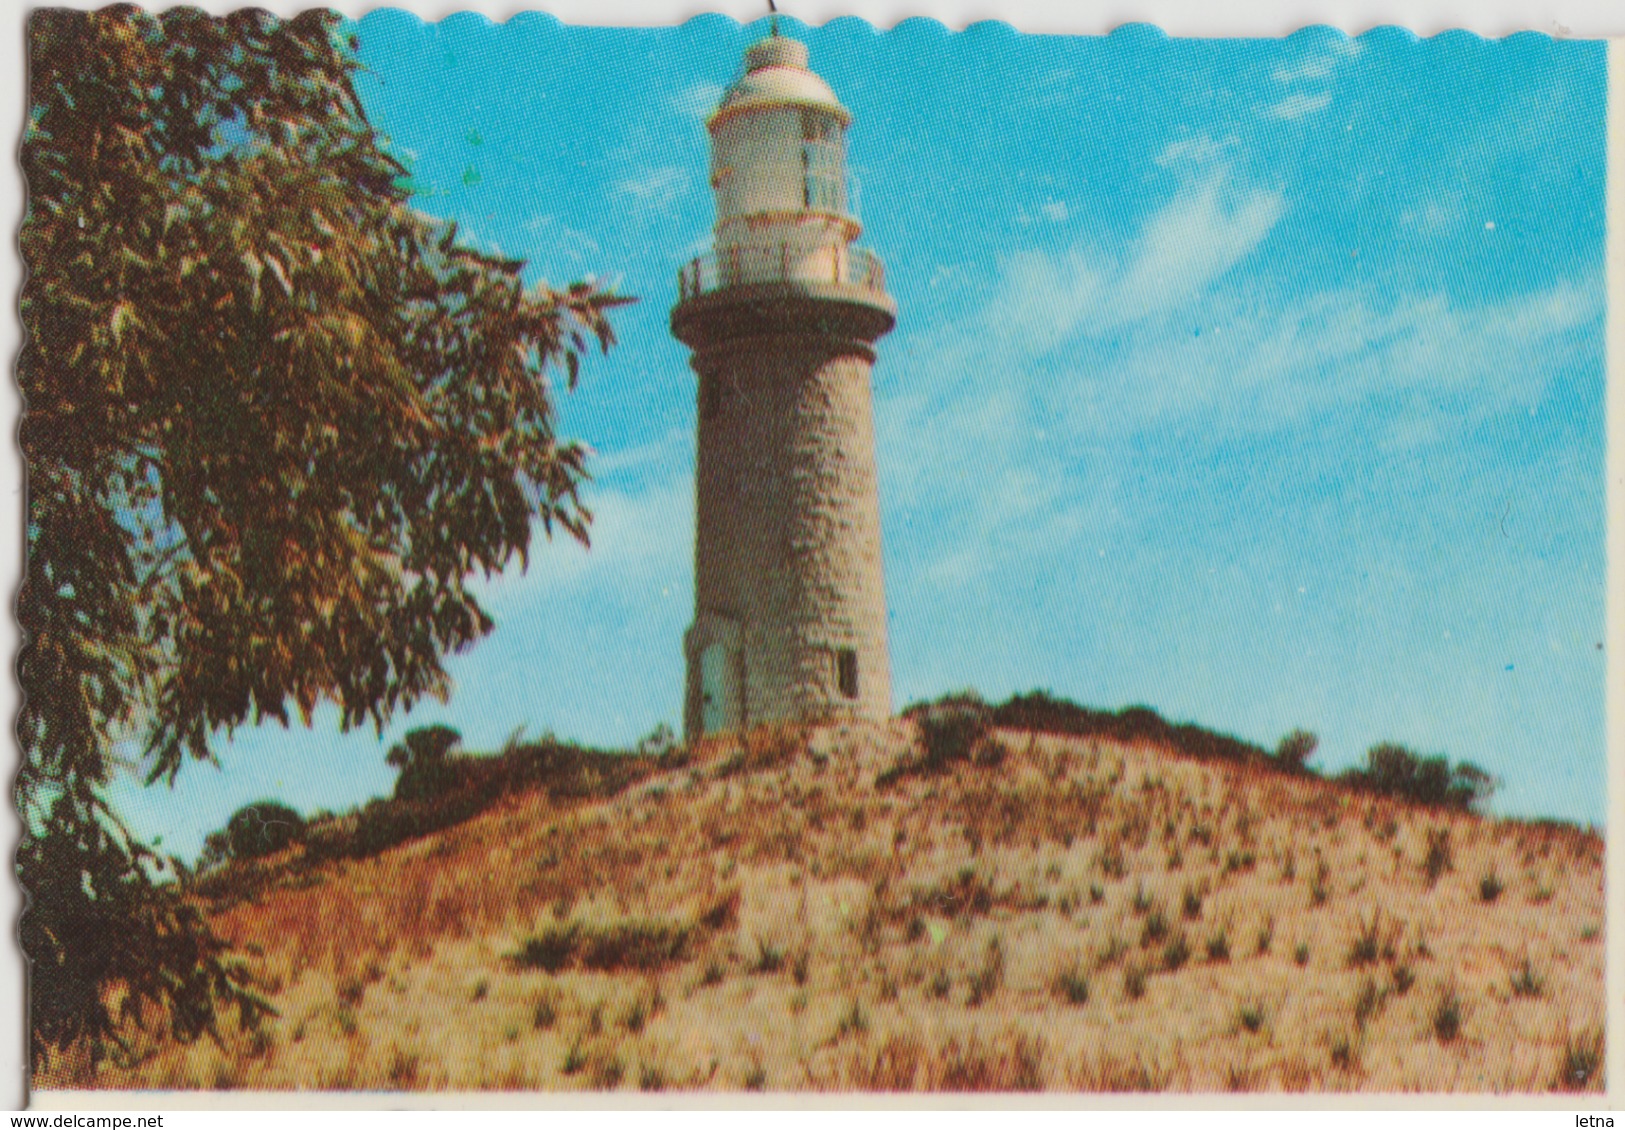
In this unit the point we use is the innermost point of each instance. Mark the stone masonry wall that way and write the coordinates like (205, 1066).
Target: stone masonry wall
(787, 539)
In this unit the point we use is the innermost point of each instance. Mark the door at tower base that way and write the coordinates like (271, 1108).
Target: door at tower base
(715, 701)
(719, 689)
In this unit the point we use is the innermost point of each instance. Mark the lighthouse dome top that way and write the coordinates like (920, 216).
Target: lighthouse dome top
(776, 75)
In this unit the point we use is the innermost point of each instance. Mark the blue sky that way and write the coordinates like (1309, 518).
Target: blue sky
(1261, 382)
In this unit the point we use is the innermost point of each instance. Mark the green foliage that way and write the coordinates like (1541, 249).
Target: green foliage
(98, 917)
(1447, 1015)
(1525, 981)
(1046, 713)
(1071, 984)
(1582, 1060)
(455, 789)
(1296, 749)
(1393, 770)
(640, 944)
(1251, 1016)
(955, 730)
(1439, 858)
(277, 419)
(1373, 941)
(1176, 953)
(424, 758)
(263, 828)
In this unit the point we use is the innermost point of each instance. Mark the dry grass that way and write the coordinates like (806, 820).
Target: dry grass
(1080, 916)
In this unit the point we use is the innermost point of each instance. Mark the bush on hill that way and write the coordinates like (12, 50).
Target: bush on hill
(255, 830)
(424, 757)
(1296, 749)
(1393, 770)
(1046, 713)
(448, 789)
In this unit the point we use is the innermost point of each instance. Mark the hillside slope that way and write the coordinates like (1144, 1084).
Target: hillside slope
(1081, 915)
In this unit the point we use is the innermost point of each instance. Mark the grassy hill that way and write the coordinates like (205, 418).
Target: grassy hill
(837, 908)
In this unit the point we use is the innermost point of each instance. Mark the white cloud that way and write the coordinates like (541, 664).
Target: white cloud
(675, 449)
(1200, 150)
(657, 188)
(1311, 69)
(699, 100)
(1052, 211)
(1200, 237)
(1411, 359)
(638, 538)
(1043, 300)
(1025, 407)
(1299, 105)
(576, 247)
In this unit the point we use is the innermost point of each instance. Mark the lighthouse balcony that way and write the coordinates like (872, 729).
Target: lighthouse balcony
(836, 265)
(739, 293)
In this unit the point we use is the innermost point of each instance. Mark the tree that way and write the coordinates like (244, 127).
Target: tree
(262, 828)
(276, 420)
(1296, 749)
(421, 757)
(1393, 770)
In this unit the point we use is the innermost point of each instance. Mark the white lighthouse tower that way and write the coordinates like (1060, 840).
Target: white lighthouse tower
(783, 316)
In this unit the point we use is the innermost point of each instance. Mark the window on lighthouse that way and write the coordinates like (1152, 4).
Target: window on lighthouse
(822, 161)
(846, 672)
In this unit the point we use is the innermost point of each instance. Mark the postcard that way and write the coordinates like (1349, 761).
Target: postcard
(738, 558)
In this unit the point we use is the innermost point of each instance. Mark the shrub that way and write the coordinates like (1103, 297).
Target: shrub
(1490, 887)
(1296, 749)
(1156, 929)
(1176, 953)
(1015, 1064)
(1344, 1054)
(1447, 1016)
(1393, 770)
(429, 799)
(660, 742)
(262, 828)
(954, 730)
(986, 981)
(1368, 1003)
(1526, 982)
(1372, 943)
(769, 957)
(853, 1022)
(1046, 713)
(1134, 981)
(1439, 857)
(575, 1059)
(1582, 1060)
(423, 758)
(1071, 984)
(641, 944)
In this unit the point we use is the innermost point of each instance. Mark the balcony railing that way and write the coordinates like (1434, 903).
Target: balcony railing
(746, 266)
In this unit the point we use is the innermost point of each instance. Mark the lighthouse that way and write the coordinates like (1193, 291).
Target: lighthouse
(782, 317)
